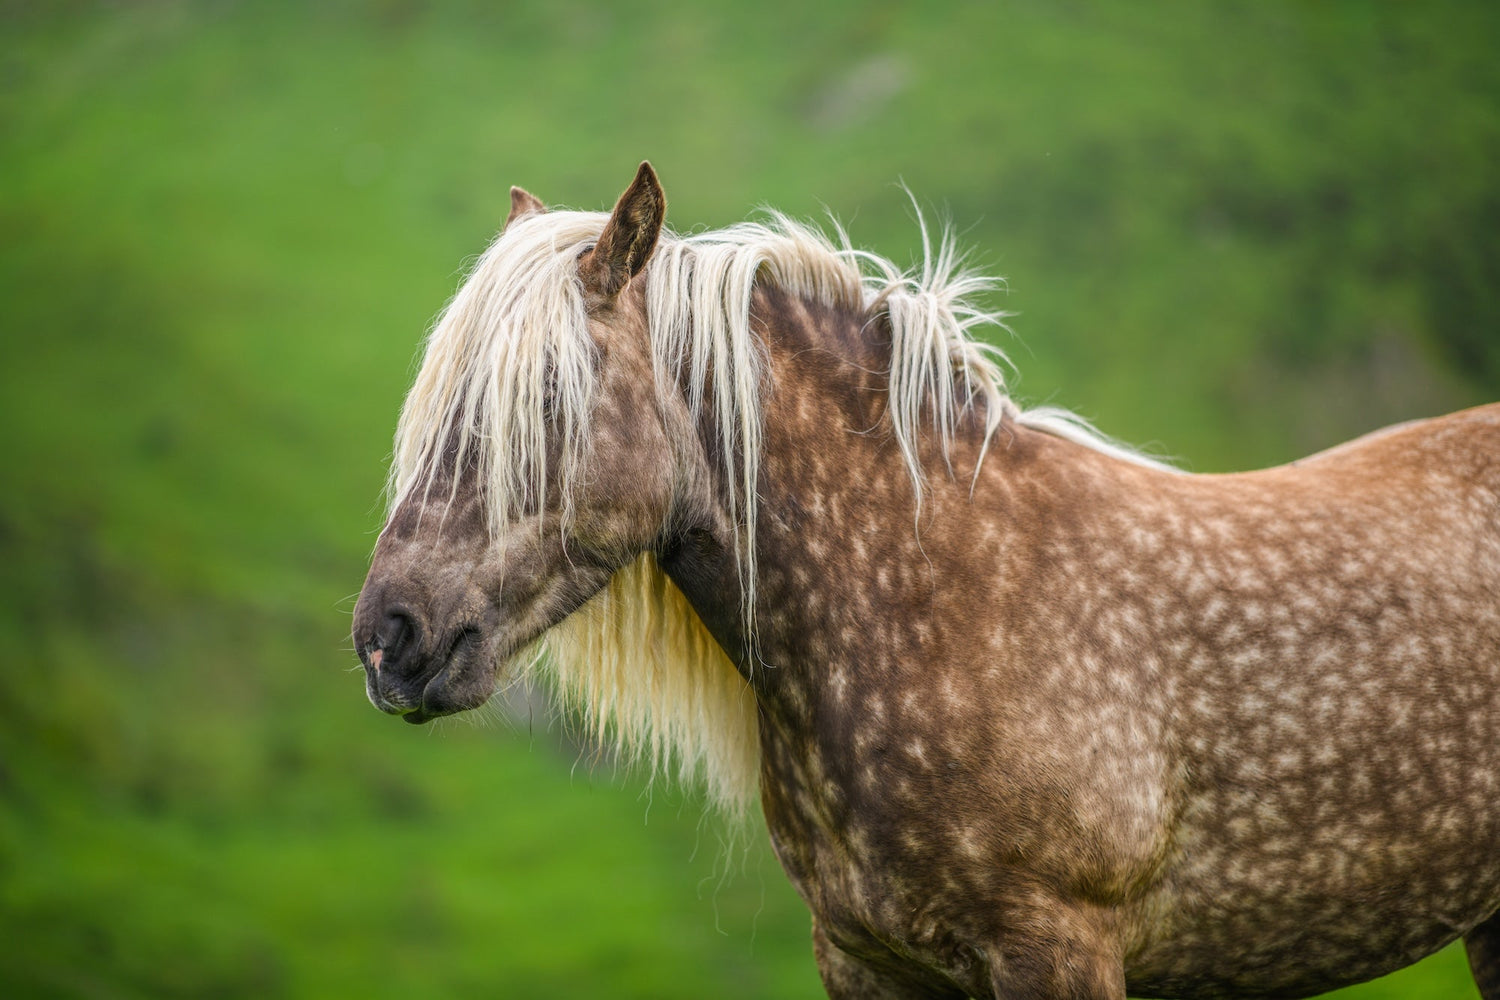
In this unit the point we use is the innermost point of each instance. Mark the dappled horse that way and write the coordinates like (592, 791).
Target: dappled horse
(1028, 714)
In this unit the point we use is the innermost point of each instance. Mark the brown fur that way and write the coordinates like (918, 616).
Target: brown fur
(1084, 726)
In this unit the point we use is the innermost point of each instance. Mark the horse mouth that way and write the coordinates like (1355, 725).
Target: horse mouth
(456, 683)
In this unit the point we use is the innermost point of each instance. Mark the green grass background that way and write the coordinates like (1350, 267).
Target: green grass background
(1236, 232)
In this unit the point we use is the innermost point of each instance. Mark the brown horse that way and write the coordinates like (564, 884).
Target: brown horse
(1029, 715)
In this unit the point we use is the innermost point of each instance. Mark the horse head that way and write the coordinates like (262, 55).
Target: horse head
(534, 458)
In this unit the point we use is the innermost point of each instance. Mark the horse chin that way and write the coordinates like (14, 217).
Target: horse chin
(466, 681)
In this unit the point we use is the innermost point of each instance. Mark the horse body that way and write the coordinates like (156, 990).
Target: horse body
(1044, 721)
(1338, 714)
(1241, 729)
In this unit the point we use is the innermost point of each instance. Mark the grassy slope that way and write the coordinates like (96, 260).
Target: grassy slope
(226, 229)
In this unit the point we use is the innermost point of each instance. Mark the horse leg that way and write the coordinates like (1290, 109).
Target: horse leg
(1482, 944)
(846, 977)
(1062, 955)
(1085, 977)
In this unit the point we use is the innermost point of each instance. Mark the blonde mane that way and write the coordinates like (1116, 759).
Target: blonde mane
(509, 363)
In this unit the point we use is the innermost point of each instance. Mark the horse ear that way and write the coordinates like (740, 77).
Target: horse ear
(522, 202)
(628, 238)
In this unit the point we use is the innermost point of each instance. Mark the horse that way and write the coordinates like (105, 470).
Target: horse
(1029, 713)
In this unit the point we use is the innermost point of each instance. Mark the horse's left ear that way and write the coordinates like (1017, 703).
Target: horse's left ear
(522, 202)
(628, 238)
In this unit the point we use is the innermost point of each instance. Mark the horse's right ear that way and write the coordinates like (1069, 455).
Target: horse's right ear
(522, 202)
(628, 238)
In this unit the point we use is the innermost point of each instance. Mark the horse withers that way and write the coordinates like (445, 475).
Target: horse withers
(1028, 713)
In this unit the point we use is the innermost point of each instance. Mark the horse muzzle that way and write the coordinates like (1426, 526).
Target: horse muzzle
(416, 672)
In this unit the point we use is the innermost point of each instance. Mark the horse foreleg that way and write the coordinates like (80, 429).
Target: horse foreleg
(1086, 980)
(847, 977)
(1060, 955)
(1483, 947)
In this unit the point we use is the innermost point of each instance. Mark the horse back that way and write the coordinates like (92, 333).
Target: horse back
(1465, 445)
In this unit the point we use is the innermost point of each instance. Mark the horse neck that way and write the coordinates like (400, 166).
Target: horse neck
(839, 546)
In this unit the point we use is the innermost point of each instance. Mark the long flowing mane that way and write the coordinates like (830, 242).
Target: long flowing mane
(509, 363)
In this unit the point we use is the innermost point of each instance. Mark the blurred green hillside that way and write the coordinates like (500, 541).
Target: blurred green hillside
(1235, 232)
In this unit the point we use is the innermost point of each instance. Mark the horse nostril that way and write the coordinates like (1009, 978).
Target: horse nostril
(393, 636)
